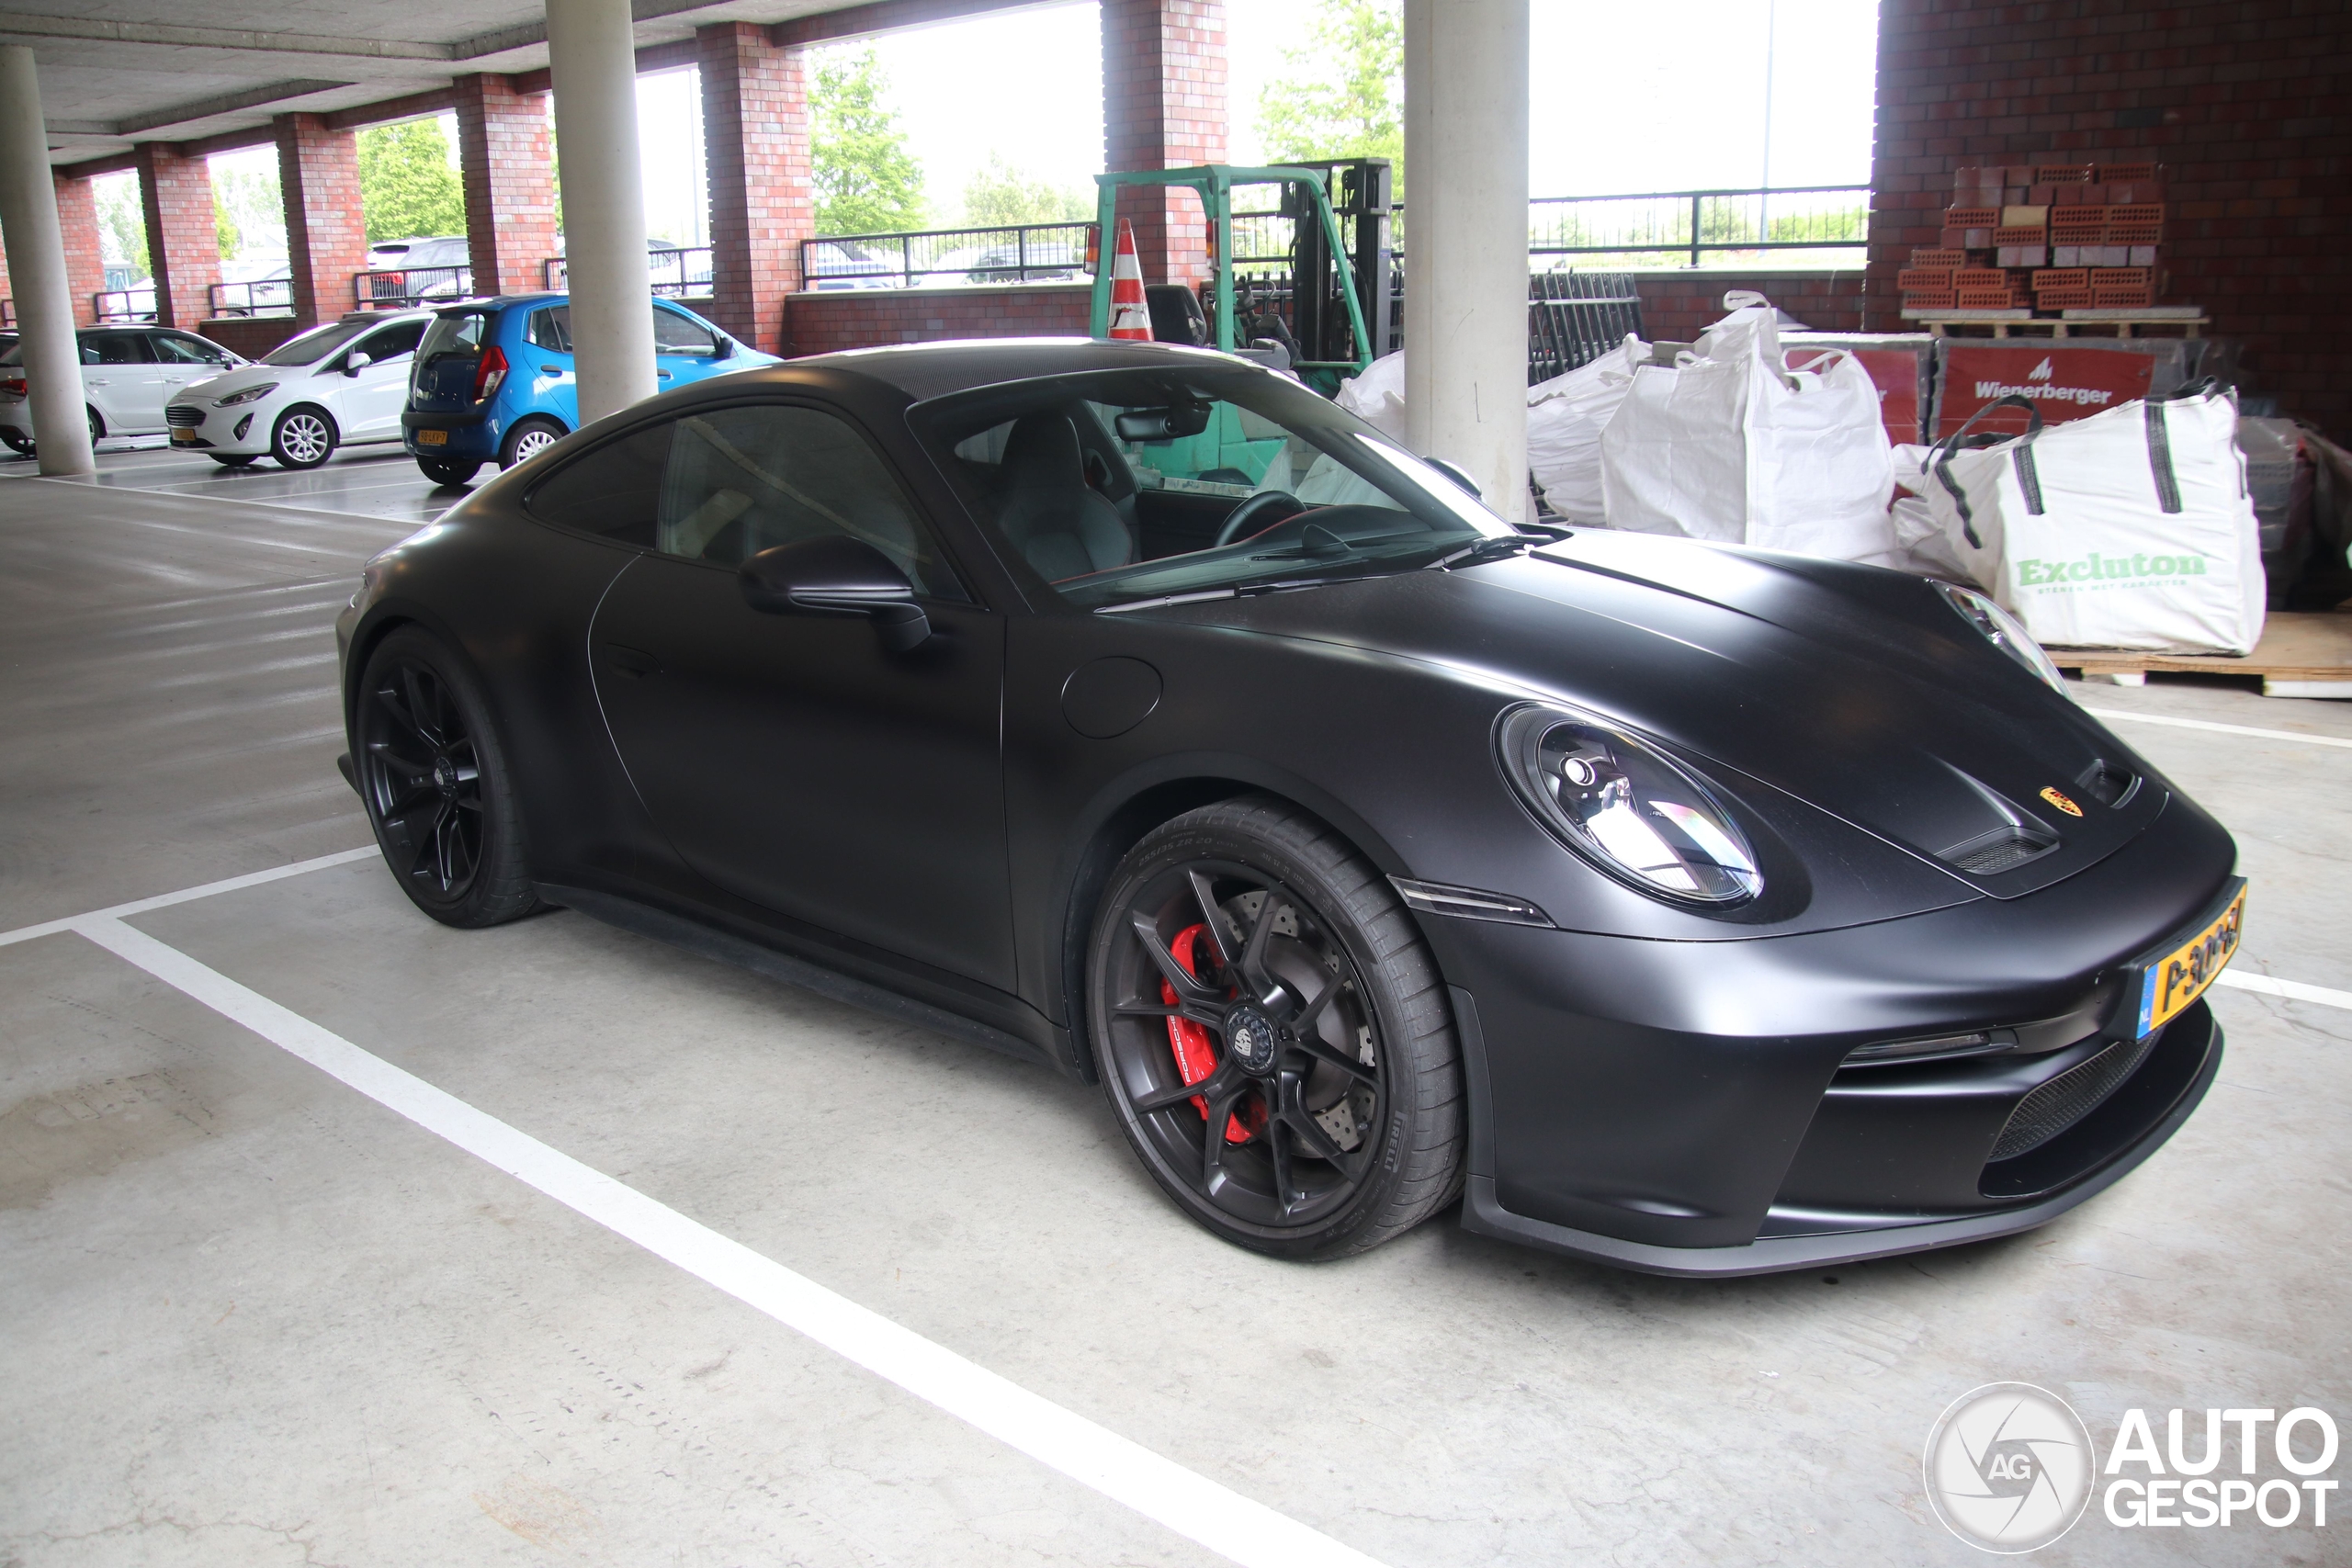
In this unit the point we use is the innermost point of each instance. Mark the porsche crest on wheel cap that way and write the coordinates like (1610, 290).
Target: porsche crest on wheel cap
(1249, 1036)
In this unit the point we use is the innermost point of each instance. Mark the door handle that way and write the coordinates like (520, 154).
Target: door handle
(664, 374)
(100, 381)
(634, 662)
(552, 369)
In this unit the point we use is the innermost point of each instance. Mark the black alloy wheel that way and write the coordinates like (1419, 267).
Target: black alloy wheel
(448, 471)
(1272, 1034)
(433, 780)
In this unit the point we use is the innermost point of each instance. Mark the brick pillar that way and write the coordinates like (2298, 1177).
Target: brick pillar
(183, 233)
(508, 166)
(755, 150)
(1163, 107)
(326, 235)
(85, 262)
(6, 292)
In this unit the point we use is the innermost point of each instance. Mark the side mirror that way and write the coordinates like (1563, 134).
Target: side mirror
(836, 576)
(356, 362)
(1457, 473)
(726, 349)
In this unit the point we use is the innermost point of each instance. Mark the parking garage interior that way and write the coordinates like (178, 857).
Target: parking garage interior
(332, 1235)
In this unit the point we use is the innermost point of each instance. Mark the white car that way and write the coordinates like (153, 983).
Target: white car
(129, 374)
(344, 382)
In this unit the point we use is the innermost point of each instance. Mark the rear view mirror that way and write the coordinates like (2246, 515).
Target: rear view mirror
(1163, 424)
(836, 576)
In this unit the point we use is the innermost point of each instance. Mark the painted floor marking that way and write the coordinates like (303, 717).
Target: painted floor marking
(2293, 990)
(186, 895)
(1235, 1527)
(2209, 724)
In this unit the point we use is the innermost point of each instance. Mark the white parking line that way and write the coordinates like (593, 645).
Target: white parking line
(2209, 724)
(1236, 1528)
(2294, 990)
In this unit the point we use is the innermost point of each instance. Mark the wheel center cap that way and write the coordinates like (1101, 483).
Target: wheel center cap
(1249, 1036)
(445, 775)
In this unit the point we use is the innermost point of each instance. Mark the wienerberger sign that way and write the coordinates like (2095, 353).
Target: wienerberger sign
(2064, 383)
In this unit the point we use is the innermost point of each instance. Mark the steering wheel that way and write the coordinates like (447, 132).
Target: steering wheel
(1250, 517)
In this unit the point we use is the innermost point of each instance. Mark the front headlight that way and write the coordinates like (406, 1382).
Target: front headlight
(2001, 629)
(1627, 807)
(248, 395)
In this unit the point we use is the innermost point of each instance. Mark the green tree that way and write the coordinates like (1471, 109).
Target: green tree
(1001, 193)
(122, 221)
(249, 211)
(1343, 94)
(866, 182)
(406, 185)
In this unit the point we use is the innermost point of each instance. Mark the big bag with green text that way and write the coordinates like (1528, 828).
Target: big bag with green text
(2134, 528)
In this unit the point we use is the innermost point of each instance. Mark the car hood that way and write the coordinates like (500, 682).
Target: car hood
(1855, 689)
(235, 380)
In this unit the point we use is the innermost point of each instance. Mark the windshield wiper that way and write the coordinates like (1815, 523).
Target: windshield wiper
(1482, 552)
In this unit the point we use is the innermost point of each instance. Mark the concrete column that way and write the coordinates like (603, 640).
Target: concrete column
(756, 148)
(508, 167)
(52, 358)
(591, 59)
(85, 259)
(1466, 240)
(183, 232)
(326, 234)
(1164, 107)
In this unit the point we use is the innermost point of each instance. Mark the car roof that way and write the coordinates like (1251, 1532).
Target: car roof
(924, 371)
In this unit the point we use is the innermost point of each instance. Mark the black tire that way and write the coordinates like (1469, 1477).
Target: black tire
(448, 471)
(304, 437)
(435, 782)
(233, 459)
(98, 425)
(1291, 1186)
(17, 441)
(528, 438)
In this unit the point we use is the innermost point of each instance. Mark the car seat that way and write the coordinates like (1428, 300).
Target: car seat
(1059, 525)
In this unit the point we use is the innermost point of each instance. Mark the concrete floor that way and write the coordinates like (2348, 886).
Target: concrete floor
(250, 1317)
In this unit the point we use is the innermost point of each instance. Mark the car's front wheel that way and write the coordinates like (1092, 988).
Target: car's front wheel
(447, 470)
(528, 439)
(303, 438)
(1275, 1038)
(434, 779)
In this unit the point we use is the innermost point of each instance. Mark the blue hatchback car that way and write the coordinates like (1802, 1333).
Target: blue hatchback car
(493, 379)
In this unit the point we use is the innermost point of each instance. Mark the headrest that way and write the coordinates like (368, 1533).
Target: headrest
(1042, 453)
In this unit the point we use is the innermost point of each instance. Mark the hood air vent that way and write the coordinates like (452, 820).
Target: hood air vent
(2004, 849)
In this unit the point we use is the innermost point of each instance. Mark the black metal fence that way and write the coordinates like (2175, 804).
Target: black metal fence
(948, 258)
(262, 296)
(678, 273)
(123, 307)
(1574, 317)
(1693, 224)
(409, 286)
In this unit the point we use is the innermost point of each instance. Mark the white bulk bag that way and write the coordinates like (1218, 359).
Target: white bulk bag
(1564, 418)
(2131, 528)
(1729, 444)
(1377, 397)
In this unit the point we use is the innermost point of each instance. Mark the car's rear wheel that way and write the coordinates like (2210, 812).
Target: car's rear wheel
(304, 437)
(528, 439)
(447, 470)
(233, 459)
(434, 778)
(1273, 1037)
(17, 441)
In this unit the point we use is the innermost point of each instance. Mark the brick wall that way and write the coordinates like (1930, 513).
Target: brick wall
(2243, 102)
(183, 234)
(1677, 306)
(756, 149)
(6, 292)
(508, 167)
(823, 321)
(326, 234)
(252, 337)
(85, 267)
(1164, 107)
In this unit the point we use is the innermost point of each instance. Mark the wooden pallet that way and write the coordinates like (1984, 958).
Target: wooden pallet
(2301, 655)
(2120, 322)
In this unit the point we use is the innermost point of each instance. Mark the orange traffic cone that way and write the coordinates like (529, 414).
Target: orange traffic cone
(1130, 317)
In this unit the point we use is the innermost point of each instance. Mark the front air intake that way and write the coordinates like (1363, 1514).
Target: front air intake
(2071, 1096)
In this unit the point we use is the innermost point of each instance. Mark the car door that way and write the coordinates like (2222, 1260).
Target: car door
(684, 349)
(184, 360)
(790, 759)
(547, 361)
(374, 393)
(121, 380)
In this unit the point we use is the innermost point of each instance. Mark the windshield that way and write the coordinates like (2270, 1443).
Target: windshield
(315, 345)
(1124, 487)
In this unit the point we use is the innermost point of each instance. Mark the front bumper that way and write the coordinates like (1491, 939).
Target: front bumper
(240, 429)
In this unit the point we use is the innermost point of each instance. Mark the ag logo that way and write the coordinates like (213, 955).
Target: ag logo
(2010, 1468)
(2056, 797)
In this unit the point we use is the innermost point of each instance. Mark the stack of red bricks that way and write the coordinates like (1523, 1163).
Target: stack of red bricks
(2049, 236)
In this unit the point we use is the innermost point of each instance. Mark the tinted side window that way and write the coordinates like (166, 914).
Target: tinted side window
(550, 329)
(173, 349)
(743, 480)
(393, 342)
(118, 348)
(614, 491)
(673, 333)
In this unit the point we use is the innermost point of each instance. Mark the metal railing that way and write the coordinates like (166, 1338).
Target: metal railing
(1574, 317)
(935, 258)
(409, 286)
(123, 307)
(262, 296)
(677, 273)
(1693, 224)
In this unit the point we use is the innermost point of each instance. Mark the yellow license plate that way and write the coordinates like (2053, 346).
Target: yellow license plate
(187, 437)
(2181, 976)
(433, 438)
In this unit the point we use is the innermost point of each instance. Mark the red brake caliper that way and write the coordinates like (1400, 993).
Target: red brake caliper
(1196, 1053)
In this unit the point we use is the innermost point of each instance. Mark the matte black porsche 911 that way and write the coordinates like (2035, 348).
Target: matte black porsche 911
(1138, 711)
